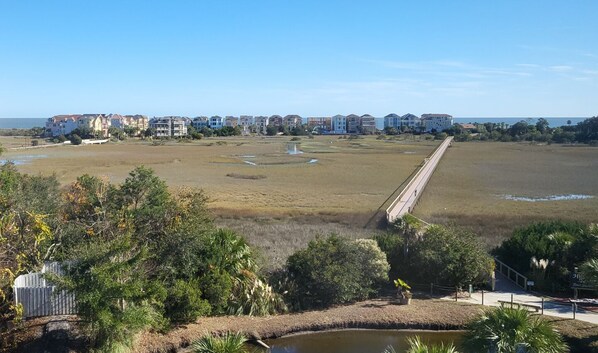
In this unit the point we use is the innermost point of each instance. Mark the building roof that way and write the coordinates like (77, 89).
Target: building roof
(429, 116)
(409, 116)
(392, 115)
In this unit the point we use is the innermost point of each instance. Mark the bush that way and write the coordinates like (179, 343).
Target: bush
(76, 139)
(229, 343)
(216, 287)
(334, 271)
(184, 302)
(506, 330)
(547, 251)
(450, 257)
(392, 245)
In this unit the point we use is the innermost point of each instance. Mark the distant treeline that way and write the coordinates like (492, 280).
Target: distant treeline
(34, 131)
(584, 132)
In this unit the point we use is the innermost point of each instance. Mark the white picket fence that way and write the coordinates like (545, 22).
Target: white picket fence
(40, 298)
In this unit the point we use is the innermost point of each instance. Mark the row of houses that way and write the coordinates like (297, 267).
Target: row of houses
(99, 124)
(177, 126)
(425, 123)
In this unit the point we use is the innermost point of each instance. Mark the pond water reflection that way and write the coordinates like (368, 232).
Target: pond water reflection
(358, 341)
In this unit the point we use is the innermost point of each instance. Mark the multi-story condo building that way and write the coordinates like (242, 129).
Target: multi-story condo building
(261, 123)
(199, 122)
(216, 122)
(275, 120)
(169, 126)
(138, 123)
(97, 123)
(368, 124)
(61, 124)
(292, 121)
(231, 121)
(436, 122)
(246, 121)
(339, 124)
(411, 122)
(353, 124)
(392, 120)
(321, 124)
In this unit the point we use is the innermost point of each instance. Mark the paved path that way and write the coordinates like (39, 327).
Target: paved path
(504, 289)
(407, 199)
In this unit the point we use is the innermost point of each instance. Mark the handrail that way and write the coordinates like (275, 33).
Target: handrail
(432, 159)
(508, 274)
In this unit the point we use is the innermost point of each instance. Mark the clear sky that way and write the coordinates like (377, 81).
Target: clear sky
(466, 58)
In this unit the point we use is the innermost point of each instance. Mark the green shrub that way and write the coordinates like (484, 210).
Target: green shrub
(216, 286)
(76, 139)
(184, 302)
(115, 298)
(449, 256)
(547, 251)
(392, 245)
(335, 270)
(252, 296)
(506, 330)
(229, 343)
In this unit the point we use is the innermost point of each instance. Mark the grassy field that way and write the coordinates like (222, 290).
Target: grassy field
(472, 180)
(279, 201)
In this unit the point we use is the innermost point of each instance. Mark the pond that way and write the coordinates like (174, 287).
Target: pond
(22, 159)
(292, 149)
(358, 341)
(548, 198)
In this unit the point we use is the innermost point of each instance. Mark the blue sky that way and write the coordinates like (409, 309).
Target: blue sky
(466, 58)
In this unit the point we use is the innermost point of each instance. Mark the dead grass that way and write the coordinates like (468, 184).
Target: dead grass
(345, 179)
(277, 238)
(468, 186)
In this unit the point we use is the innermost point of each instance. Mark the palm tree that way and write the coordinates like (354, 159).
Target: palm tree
(589, 272)
(507, 330)
(417, 346)
(229, 343)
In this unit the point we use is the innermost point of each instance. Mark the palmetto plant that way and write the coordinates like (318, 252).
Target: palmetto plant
(507, 330)
(229, 343)
(417, 346)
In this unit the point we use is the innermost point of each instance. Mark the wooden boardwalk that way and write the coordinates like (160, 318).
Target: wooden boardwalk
(407, 199)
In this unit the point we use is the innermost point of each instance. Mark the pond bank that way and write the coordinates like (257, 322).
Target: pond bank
(60, 334)
(430, 314)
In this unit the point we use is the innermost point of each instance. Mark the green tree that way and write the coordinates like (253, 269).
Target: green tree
(75, 139)
(147, 204)
(115, 298)
(28, 209)
(334, 270)
(449, 256)
(506, 330)
(560, 245)
(542, 125)
(184, 302)
(271, 130)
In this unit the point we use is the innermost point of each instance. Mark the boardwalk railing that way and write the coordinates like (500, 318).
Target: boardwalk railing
(40, 298)
(407, 199)
(511, 274)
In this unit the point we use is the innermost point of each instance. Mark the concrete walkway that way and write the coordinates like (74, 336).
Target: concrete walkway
(504, 289)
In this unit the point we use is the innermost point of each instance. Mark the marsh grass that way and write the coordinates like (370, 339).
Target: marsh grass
(468, 187)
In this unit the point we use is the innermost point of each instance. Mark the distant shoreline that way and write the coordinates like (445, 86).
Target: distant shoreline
(28, 123)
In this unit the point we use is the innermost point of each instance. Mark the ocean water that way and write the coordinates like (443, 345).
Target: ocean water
(22, 123)
(553, 122)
